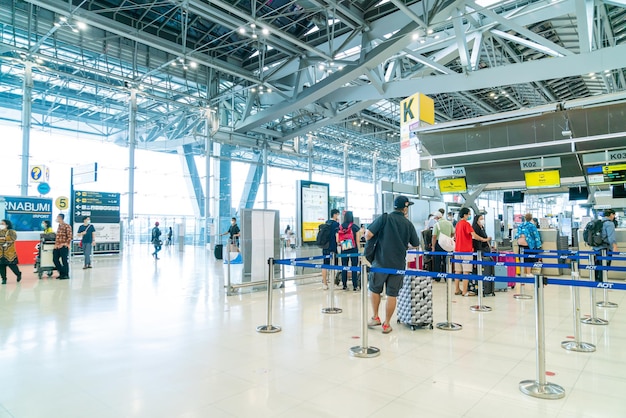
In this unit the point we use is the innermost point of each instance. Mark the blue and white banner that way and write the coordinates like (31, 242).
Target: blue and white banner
(26, 213)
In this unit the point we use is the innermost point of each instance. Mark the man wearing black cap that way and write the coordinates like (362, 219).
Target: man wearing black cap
(396, 235)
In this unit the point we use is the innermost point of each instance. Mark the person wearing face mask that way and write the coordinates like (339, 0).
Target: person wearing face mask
(465, 234)
(47, 227)
(485, 247)
(528, 237)
(8, 255)
(87, 231)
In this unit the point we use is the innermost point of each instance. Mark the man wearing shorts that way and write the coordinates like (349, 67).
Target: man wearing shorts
(398, 232)
(464, 234)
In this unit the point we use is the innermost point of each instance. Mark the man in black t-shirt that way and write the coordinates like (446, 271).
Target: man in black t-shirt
(397, 235)
(86, 232)
(233, 232)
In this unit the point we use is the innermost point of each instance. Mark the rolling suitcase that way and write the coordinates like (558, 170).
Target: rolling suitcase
(217, 251)
(415, 302)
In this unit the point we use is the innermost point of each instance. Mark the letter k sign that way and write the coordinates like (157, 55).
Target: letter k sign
(407, 112)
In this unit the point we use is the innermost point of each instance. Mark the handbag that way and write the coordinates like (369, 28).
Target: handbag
(446, 242)
(372, 244)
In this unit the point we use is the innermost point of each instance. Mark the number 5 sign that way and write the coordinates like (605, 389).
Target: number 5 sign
(62, 203)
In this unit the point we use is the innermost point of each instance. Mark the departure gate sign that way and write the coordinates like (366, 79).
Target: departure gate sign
(542, 179)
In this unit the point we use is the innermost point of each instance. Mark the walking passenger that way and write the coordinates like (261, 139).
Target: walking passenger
(155, 239)
(61, 252)
(347, 239)
(8, 255)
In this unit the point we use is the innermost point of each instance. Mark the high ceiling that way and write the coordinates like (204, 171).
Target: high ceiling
(282, 72)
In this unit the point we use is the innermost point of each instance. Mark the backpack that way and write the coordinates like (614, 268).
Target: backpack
(593, 233)
(323, 235)
(346, 238)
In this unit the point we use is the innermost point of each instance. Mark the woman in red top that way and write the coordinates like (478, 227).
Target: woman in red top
(464, 235)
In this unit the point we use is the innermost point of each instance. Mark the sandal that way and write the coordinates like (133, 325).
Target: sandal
(458, 292)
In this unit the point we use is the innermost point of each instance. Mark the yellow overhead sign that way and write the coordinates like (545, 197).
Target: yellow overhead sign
(457, 185)
(540, 179)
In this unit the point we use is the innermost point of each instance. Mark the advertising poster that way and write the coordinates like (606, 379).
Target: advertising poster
(314, 208)
(26, 213)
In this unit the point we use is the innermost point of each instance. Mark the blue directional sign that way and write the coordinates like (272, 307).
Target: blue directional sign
(43, 188)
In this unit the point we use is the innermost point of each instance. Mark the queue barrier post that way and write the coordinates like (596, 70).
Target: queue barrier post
(479, 269)
(364, 350)
(605, 278)
(269, 328)
(449, 325)
(577, 345)
(522, 295)
(540, 388)
(332, 309)
(593, 319)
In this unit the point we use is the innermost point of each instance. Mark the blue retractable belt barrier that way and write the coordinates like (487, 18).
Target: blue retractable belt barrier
(348, 255)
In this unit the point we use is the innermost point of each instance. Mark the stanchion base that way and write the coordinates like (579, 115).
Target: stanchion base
(522, 296)
(578, 346)
(594, 321)
(268, 329)
(332, 310)
(449, 326)
(364, 352)
(606, 305)
(480, 308)
(545, 391)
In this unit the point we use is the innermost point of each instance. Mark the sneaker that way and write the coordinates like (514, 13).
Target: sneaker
(374, 322)
(325, 287)
(529, 275)
(387, 328)
(345, 288)
(469, 294)
(356, 289)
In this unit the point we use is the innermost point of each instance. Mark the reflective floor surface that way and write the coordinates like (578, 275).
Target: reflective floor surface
(137, 338)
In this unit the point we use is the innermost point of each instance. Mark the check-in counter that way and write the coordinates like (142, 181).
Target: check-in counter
(551, 240)
(620, 234)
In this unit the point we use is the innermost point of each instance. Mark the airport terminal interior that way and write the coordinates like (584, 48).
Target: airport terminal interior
(181, 116)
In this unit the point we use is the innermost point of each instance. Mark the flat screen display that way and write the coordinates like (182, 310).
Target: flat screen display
(606, 174)
(453, 185)
(618, 191)
(513, 197)
(542, 179)
(578, 193)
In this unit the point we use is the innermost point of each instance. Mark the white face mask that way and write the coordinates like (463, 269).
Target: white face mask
(3, 227)
(481, 222)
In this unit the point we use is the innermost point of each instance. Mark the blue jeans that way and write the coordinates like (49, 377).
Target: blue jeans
(87, 247)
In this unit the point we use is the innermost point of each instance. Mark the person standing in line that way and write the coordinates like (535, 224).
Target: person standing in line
(609, 240)
(464, 234)
(528, 237)
(87, 231)
(484, 246)
(233, 234)
(445, 227)
(347, 241)
(451, 219)
(156, 240)
(61, 252)
(398, 233)
(8, 255)
(332, 246)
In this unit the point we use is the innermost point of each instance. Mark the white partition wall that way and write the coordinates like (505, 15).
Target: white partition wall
(260, 240)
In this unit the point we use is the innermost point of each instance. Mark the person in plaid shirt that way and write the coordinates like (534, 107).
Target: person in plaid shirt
(62, 248)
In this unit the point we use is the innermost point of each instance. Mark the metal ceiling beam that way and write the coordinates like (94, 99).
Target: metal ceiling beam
(584, 22)
(125, 31)
(526, 72)
(372, 59)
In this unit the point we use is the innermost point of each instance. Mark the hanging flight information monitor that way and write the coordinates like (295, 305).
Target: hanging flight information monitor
(542, 179)
(454, 185)
(606, 174)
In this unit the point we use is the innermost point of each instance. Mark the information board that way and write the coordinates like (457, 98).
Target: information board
(26, 213)
(542, 179)
(313, 207)
(606, 174)
(455, 185)
(100, 207)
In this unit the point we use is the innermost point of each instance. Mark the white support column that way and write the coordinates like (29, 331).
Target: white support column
(309, 145)
(265, 175)
(27, 101)
(207, 179)
(132, 132)
(345, 176)
(374, 177)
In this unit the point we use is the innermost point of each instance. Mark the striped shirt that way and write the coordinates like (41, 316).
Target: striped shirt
(64, 236)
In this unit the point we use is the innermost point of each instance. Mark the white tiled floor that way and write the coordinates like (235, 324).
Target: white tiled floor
(131, 338)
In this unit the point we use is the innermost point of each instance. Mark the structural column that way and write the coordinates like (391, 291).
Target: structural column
(345, 175)
(132, 132)
(27, 102)
(374, 176)
(265, 175)
(309, 145)
(207, 180)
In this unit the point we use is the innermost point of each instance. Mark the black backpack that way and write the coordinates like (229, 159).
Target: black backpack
(593, 233)
(323, 235)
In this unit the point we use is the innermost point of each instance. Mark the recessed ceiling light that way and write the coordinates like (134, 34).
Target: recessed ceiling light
(253, 25)
(193, 64)
(266, 31)
(81, 25)
(242, 30)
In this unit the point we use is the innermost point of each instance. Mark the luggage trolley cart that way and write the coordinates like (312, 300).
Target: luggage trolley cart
(43, 260)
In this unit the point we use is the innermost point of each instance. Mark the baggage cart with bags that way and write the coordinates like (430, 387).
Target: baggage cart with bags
(415, 302)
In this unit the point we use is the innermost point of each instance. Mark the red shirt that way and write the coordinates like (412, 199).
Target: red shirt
(463, 237)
